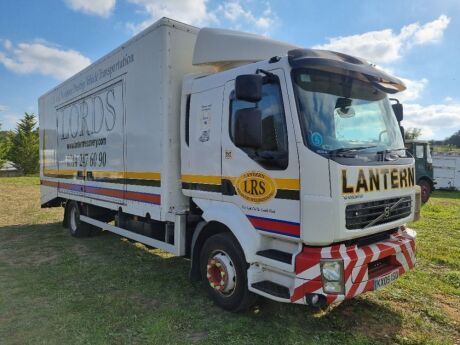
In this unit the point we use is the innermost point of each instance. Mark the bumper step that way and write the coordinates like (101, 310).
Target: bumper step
(272, 288)
(277, 255)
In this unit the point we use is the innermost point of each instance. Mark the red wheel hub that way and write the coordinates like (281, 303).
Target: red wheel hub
(216, 274)
(221, 273)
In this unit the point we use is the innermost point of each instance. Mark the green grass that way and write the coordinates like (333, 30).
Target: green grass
(446, 148)
(55, 289)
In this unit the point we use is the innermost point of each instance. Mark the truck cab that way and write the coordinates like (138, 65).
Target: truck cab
(421, 151)
(301, 156)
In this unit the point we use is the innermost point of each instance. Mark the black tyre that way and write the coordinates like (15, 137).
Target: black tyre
(76, 227)
(224, 270)
(425, 188)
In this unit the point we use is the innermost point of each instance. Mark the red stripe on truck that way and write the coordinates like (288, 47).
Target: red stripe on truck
(49, 183)
(110, 192)
(281, 227)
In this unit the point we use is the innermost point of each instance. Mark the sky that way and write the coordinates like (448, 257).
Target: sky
(44, 42)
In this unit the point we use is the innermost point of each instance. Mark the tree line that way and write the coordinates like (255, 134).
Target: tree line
(414, 134)
(21, 146)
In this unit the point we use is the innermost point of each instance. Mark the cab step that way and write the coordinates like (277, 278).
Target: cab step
(277, 255)
(272, 288)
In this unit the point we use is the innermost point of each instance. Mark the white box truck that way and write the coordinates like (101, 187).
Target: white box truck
(279, 171)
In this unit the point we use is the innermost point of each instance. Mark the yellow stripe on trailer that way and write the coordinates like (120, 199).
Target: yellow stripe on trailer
(287, 183)
(281, 183)
(217, 180)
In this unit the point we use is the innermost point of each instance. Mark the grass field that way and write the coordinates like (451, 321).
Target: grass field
(446, 148)
(55, 289)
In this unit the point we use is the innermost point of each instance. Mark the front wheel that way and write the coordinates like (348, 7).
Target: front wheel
(425, 189)
(224, 270)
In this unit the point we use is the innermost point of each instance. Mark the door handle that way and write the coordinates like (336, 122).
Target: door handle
(228, 188)
(80, 175)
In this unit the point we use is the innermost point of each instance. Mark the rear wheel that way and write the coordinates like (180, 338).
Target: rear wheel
(425, 188)
(76, 227)
(224, 270)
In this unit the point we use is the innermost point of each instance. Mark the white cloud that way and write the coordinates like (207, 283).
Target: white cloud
(386, 46)
(193, 12)
(8, 120)
(448, 99)
(437, 121)
(238, 14)
(413, 91)
(101, 8)
(432, 31)
(234, 11)
(7, 44)
(41, 57)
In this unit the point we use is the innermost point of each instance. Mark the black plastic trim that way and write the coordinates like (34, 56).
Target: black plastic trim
(277, 255)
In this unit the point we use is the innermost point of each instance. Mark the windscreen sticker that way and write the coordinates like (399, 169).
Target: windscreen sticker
(316, 139)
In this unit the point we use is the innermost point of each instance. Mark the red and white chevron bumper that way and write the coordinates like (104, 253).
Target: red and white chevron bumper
(362, 265)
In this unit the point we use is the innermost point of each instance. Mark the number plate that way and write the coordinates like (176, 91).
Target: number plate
(386, 279)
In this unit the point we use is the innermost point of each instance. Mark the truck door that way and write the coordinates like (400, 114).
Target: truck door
(201, 151)
(264, 182)
(420, 160)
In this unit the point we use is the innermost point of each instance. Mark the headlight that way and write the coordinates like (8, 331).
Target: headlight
(332, 270)
(333, 287)
(332, 274)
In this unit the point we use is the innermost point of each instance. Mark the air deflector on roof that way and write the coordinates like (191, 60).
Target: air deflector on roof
(334, 62)
(223, 47)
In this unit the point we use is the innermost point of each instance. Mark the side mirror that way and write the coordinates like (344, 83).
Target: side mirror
(248, 87)
(398, 110)
(248, 128)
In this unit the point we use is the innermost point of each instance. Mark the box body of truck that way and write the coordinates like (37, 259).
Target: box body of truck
(153, 136)
(110, 134)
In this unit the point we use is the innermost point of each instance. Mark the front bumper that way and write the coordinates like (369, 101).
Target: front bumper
(362, 266)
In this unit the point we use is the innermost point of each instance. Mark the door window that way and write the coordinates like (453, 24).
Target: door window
(273, 154)
(419, 151)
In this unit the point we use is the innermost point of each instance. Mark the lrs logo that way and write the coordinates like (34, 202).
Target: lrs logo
(255, 187)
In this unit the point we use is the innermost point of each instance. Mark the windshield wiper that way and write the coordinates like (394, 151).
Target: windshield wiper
(342, 150)
(392, 151)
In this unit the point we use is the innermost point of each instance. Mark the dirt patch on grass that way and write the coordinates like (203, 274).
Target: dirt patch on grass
(196, 336)
(451, 307)
(370, 319)
(80, 250)
(150, 303)
(14, 258)
(21, 205)
(452, 312)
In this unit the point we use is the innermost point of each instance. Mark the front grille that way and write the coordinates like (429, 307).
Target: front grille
(372, 213)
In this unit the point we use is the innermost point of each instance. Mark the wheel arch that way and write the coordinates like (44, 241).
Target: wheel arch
(428, 179)
(219, 217)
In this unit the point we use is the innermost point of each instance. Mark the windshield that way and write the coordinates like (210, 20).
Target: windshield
(339, 113)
